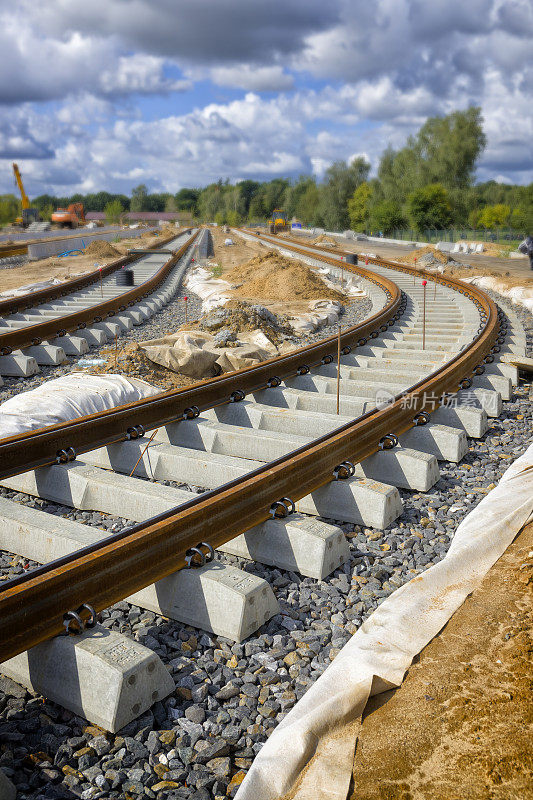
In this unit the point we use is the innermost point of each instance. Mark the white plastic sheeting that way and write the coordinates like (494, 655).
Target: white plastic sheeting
(211, 291)
(320, 732)
(68, 397)
(321, 313)
(30, 287)
(519, 295)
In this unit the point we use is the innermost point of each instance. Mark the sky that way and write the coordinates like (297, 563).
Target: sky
(108, 94)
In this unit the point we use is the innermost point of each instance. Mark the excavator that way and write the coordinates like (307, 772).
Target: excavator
(278, 221)
(69, 217)
(29, 214)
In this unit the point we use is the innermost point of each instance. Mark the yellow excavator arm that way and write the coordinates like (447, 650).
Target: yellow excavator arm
(18, 178)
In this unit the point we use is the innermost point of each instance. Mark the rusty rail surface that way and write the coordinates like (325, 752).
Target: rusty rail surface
(86, 433)
(32, 605)
(12, 305)
(47, 331)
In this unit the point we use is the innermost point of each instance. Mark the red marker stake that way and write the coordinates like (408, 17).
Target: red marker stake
(424, 283)
(186, 298)
(101, 287)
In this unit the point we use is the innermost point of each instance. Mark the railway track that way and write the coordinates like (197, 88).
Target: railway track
(280, 471)
(43, 327)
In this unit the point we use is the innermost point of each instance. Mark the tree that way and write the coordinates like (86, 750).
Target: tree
(187, 200)
(170, 204)
(429, 207)
(445, 151)
(385, 216)
(139, 198)
(9, 208)
(113, 212)
(308, 205)
(358, 207)
(233, 218)
(496, 216)
(341, 180)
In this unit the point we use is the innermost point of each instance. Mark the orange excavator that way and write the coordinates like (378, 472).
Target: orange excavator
(69, 217)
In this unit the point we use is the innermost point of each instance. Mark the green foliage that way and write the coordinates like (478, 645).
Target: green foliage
(496, 216)
(386, 216)
(341, 180)
(429, 207)
(113, 212)
(359, 207)
(9, 208)
(220, 219)
(139, 200)
(233, 218)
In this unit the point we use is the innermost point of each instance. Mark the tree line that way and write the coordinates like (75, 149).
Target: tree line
(428, 183)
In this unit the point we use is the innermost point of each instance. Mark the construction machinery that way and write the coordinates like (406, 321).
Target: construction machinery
(278, 221)
(29, 214)
(69, 217)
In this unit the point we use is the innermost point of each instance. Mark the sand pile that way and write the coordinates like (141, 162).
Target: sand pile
(428, 257)
(239, 317)
(271, 276)
(324, 240)
(102, 249)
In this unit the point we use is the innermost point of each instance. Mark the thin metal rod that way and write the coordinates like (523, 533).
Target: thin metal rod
(424, 319)
(338, 368)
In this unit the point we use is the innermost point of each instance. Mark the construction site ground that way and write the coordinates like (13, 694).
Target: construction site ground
(475, 263)
(461, 725)
(69, 267)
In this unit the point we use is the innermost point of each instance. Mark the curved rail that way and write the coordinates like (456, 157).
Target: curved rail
(12, 305)
(86, 433)
(32, 605)
(49, 330)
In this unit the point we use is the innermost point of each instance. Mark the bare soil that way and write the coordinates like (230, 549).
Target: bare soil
(131, 361)
(97, 253)
(461, 725)
(271, 275)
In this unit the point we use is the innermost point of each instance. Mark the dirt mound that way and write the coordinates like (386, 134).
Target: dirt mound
(428, 257)
(239, 317)
(271, 276)
(324, 240)
(102, 249)
(132, 361)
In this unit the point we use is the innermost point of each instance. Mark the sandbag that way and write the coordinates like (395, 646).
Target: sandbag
(194, 353)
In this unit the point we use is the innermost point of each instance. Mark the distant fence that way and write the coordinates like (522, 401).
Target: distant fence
(499, 235)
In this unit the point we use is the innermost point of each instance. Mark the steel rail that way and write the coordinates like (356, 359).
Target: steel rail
(32, 606)
(39, 448)
(46, 331)
(12, 305)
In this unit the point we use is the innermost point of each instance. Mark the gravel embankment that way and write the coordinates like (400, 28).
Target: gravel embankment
(199, 742)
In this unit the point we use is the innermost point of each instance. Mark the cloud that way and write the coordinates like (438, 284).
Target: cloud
(251, 78)
(313, 83)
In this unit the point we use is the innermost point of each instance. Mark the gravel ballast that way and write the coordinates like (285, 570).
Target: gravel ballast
(199, 742)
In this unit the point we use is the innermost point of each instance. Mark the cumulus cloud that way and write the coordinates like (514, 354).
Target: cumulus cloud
(314, 82)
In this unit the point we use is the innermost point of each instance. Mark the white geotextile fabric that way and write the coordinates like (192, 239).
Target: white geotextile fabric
(519, 295)
(318, 733)
(30, 287)
(68, 397)
(211, 291)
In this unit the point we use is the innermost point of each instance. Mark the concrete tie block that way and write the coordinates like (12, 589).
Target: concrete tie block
(473, 419)
(217, 598)
(124, 322)
(46, 354)
(100, 675)
(401, 467)
(486, 399)
(72, 345)
(499, 383)
(445, 443)
(230, 440)
(199, 597)
(18, 365)
(295, 543)
(111, 329)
